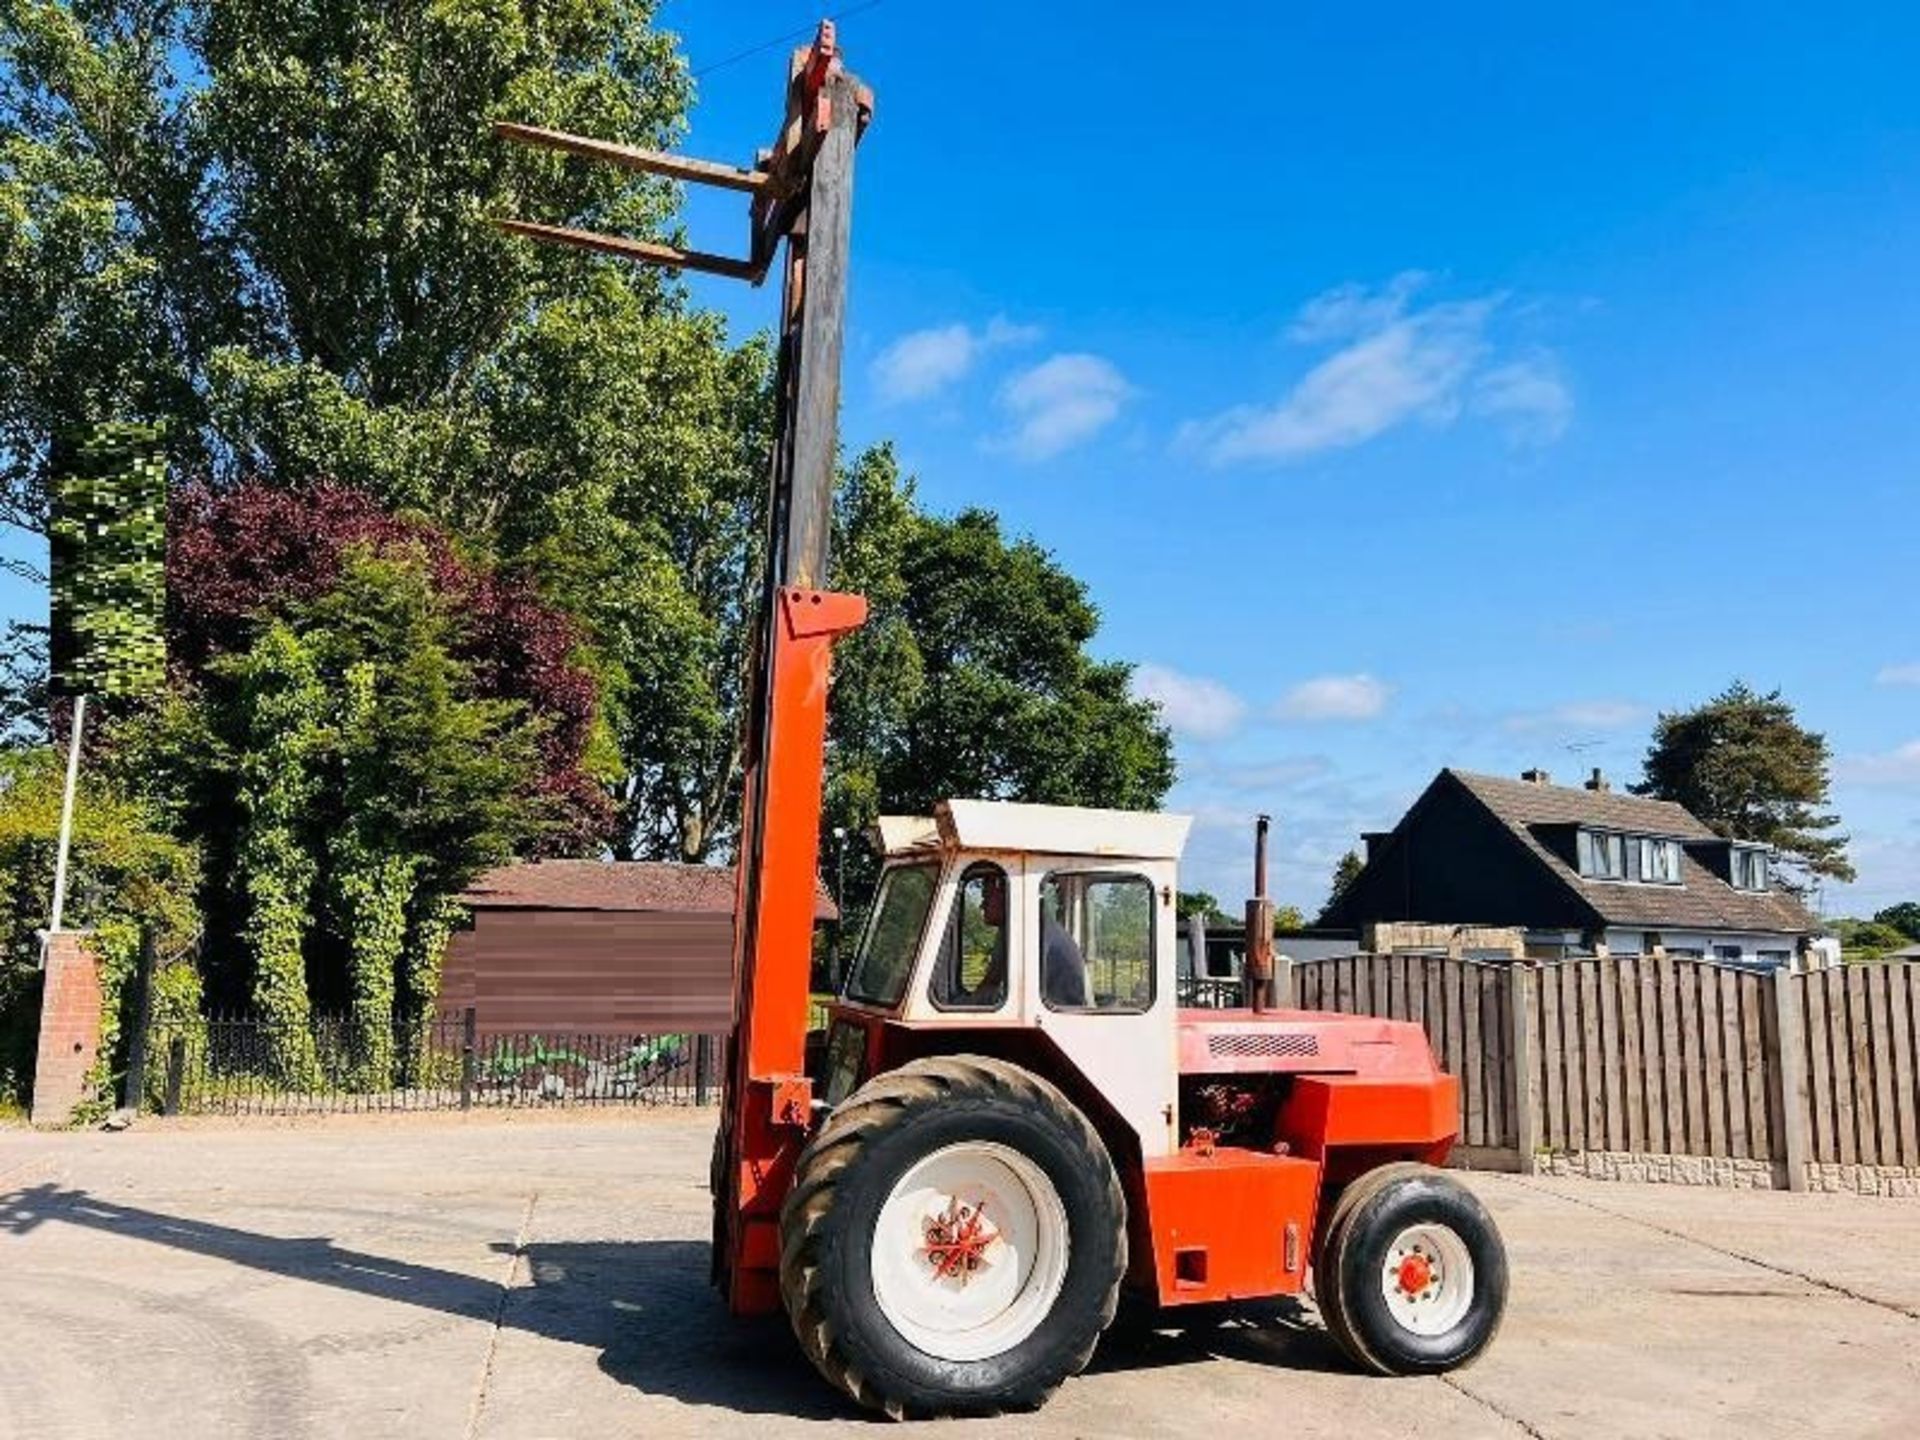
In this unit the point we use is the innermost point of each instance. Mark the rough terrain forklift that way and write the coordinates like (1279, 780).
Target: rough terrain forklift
(1009, 1121)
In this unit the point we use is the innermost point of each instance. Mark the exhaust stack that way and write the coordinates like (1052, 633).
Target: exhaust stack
(1260, 926)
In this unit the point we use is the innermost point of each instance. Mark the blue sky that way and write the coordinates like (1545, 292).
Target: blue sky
(1412, 385)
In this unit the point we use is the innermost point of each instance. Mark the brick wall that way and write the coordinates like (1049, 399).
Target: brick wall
(69, 1027)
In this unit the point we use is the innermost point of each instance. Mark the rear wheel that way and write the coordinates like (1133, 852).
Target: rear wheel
(1413, 1275)
(954, 1240)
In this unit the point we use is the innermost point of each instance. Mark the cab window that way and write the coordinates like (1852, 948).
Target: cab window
(880, 971)
(970, 972)
(1096, 941)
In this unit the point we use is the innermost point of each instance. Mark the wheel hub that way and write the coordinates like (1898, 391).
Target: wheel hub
(1427, 1279)
(957, 1239)
(1416, 1273)
(969, 1250)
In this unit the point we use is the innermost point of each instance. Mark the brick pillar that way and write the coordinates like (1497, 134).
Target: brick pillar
(69, 1027)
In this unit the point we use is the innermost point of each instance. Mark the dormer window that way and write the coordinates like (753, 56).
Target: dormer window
(1659, 860)
(1749, 868)
(1643, 859)
(1603, 857)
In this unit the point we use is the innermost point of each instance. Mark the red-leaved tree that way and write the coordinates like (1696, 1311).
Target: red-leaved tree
(236, 556)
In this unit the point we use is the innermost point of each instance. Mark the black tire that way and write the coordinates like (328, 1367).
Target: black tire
(1374, 1211)
(844, 1177)
(1326, 1290)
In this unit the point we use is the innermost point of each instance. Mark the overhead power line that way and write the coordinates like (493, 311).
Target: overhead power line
(787, 39)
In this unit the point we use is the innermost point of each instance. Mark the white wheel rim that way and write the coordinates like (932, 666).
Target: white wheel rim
(1427, 1279)
(970, 1251)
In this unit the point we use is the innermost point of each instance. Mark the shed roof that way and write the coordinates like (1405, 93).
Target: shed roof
(621, 885)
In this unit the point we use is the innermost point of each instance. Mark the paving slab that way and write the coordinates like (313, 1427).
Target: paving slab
(534, 1275)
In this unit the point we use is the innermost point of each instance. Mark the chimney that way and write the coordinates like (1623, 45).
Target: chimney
(1536, 776)
(1373, 840)
(1598, 782)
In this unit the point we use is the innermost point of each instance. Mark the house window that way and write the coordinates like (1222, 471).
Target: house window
(1641, 858)
(1776, 958)
(1659, 861)
(1602, 856)
(1727, 954)
(1749, 869)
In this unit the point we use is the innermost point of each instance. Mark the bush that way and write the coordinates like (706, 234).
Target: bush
(125, 875)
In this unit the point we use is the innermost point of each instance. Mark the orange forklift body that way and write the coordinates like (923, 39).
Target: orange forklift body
(1214, 1222)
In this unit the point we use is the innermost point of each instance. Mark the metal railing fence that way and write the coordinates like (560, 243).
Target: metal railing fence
(249, 1065)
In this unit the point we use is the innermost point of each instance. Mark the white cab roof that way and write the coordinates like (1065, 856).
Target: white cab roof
(1061, 829)
(898, 834)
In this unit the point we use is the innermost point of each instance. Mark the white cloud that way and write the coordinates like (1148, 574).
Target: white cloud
(1400, 364)
(926, 362)
(1061, 402)
(1352, 309)
(1529, 395)
(1193, 705)
(1899, 674)
(1335, 697)
(1579, 715)
(1898, 766)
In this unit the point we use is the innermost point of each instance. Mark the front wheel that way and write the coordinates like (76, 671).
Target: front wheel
(954, 1240)
(1412, 1275)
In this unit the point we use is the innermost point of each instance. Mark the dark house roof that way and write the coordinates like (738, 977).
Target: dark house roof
(1487, 814)
(617, 885)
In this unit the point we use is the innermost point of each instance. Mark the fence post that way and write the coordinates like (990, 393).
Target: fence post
(702, 1066)
(1526, 1110)
(1786, 1076)
(176, 1074)
(134, 1092)
(1283, 996)
(469, 1031)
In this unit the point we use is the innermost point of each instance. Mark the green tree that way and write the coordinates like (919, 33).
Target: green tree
(1745, 766)
(428, 785)
(1904, 917)
(655, 542)
(1198, 902)
(374, 784)
(972, 677)
(1345, 872)
(268, 228)
(269, 225)
(1869, 939)
(24, 694)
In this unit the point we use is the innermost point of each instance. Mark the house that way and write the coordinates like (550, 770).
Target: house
(1579, 870)
(598, 947)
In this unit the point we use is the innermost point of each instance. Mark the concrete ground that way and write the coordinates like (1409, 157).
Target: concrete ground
(545, 1275)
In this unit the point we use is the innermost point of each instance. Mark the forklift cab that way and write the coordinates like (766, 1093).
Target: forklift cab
(995, 917)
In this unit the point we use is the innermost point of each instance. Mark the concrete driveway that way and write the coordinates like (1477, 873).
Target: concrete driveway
(535, 1276)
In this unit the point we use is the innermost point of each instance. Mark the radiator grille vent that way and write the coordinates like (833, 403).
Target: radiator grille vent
(1253, 1043)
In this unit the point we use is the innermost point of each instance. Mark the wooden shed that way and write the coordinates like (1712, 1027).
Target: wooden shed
(598, 947)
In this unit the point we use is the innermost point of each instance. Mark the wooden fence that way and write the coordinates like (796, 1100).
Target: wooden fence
(1657, 1056)
(1859, 1066)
